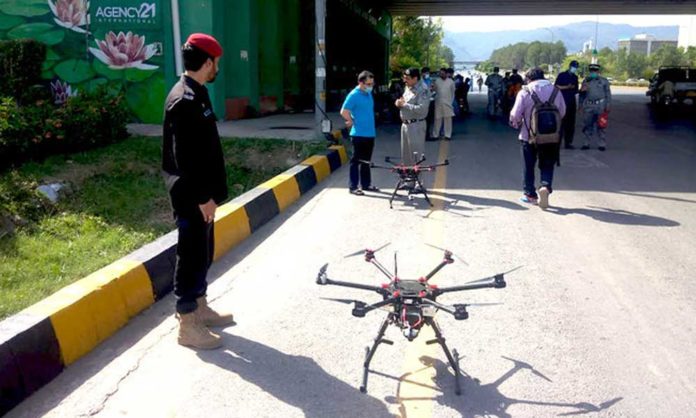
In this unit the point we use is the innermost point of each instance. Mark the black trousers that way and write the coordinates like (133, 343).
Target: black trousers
(194, 255)
(360, 172)
(568, 125)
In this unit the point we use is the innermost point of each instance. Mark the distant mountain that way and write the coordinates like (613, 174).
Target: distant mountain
(478, 46)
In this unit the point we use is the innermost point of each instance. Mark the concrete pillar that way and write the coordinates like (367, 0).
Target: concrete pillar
(320, 66)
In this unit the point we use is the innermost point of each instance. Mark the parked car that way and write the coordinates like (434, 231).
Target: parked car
(671, 84)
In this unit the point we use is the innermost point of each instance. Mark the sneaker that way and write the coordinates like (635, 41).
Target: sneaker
(585, 147)
(544, 197)
(531, 200)
(356, 192)
(602, 148)
(448, 138)
(371, 189)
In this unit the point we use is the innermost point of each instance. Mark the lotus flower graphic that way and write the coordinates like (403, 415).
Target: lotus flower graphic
(71, 14)
(124, 51)
(61, 90)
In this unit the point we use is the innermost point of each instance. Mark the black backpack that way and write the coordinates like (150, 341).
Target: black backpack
(545, 122)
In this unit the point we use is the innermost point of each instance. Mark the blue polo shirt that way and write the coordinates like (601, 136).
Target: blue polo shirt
(362, 108)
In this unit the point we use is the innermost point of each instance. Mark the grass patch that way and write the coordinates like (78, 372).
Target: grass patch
(117, 203)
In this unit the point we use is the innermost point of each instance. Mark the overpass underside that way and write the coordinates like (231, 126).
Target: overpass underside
(535, 7)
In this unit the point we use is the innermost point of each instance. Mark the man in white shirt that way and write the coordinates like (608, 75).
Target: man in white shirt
(444, 97)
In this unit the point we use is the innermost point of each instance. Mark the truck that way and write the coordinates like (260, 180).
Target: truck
(672, 84)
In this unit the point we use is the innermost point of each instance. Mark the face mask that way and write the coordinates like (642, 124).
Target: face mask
(594, 75)
(426, 76)
(368, 89)
(573, 70)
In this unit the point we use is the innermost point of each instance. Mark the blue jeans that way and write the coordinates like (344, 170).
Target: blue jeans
(194, 255)
(546, 154)
(360, 172)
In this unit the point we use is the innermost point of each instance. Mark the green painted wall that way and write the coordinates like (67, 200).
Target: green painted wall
(241, 60)
(206, 16)
(271, 61)
(291, 37)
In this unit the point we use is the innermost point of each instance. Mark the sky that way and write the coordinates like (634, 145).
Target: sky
(497, 23)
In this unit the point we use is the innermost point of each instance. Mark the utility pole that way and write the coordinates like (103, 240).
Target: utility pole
(321, 121)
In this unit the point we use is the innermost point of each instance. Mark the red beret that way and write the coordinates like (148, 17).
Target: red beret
(206, 43)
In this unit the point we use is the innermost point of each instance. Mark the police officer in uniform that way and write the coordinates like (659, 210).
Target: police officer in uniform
(494, 82)
(413, 107)
(194, 172)
(595, 99)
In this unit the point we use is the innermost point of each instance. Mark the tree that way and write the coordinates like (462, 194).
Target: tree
(668, 55)
(417, 42)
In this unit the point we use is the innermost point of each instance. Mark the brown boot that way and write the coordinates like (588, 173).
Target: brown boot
(209, 317)
(192, 333)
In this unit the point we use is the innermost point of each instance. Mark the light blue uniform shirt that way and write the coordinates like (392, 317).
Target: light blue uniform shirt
(362, 108)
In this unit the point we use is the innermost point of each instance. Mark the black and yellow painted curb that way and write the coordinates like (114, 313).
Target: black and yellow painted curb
(42, 340)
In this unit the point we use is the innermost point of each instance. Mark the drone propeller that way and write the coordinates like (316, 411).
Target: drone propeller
(448, 251)
(488, 278)
(483, 304)
(346, 301)
(361, 252)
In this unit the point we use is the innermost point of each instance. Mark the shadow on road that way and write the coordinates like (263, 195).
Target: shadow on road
(295, 380)
(615, 216)
(486, 399)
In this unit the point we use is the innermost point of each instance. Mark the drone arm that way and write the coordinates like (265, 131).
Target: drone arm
(459, 312)
(438, 268)
(361, 309)
(438, 306)
(354, 286)
(381, 268)
(496, 282)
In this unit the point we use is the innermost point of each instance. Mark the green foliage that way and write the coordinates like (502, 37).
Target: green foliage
(527, 55)
(417, 42)
(622, 65)
(20, 66)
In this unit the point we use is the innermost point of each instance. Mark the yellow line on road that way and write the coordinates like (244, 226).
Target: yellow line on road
(416, 392)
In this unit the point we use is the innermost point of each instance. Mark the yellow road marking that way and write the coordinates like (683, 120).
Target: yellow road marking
(416, 391)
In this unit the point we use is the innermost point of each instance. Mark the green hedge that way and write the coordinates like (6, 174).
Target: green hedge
(32, 132)
(20, 66)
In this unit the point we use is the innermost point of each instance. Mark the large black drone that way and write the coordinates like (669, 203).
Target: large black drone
(412, 304)
(409, 176)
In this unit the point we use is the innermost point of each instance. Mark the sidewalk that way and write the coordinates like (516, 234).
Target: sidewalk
(296, 127)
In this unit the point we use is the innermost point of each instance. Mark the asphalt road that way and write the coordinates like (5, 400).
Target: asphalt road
(599, 321)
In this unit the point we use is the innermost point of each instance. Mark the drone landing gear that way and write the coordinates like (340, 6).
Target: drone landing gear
(413, 185)
(370, 352)
(452, 357)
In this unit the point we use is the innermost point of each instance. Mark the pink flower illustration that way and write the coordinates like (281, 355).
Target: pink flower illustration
(124, 51)
(71, 14)
(61, 90)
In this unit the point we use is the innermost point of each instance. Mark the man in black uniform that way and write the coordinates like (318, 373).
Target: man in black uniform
(194, 172)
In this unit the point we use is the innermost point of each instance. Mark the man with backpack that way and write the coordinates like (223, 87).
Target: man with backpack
(538, 113)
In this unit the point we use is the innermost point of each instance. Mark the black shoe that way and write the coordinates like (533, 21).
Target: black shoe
(431, 139)
(585, 147)
(602, 148)
(370, 189)
(448, 138)
(569, 146)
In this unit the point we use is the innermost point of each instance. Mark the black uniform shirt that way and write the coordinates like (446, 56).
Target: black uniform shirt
(192, 159)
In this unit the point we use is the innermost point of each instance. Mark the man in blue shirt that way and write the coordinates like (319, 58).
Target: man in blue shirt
(359, 113)
(567, 83)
